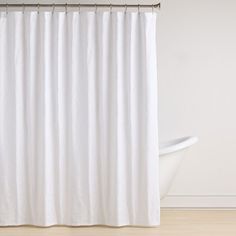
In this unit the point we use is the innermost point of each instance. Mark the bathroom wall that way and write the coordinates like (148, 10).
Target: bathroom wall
(197, 96)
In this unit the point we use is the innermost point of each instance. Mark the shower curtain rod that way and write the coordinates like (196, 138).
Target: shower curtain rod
(40, 5)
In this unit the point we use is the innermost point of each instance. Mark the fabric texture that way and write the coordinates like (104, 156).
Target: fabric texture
(78, 118)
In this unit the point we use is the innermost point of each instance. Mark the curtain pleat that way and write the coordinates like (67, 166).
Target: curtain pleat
(78, 119)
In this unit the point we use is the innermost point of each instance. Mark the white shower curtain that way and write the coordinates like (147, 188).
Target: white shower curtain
(78, 118)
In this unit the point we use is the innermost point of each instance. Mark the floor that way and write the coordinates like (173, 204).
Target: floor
(173, 223)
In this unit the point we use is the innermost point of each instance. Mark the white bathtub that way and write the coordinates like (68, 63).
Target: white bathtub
(171, 154)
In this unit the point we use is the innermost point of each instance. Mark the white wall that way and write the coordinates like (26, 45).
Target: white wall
(197, 96)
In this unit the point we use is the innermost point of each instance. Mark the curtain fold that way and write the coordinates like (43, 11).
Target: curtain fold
(78, 119)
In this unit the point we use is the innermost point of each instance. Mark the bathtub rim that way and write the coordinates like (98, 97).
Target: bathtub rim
(177, 144)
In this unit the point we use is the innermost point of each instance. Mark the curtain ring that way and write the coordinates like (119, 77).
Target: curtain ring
(38, 8)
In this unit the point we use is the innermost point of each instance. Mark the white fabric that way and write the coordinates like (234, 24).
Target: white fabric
(78, 119)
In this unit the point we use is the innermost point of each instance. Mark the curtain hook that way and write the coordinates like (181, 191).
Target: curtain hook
(110, 8)
(66, 8)
(23, 8)
(138, 8)
(38, 8)
(152, 8)
(79, 7)
(95, 8)
(125, 8)
(53, 8)
(6, 8)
